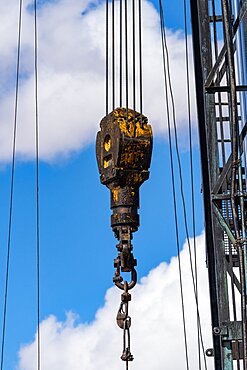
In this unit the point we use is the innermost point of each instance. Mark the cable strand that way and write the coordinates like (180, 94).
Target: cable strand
(173, 188)
(126, 60)
(11, 184)
(37, 181)
(134, 59)
(140, 57)
(121, 53)
(107, 59)
(191, 173)
(181, 182)
(113, 54)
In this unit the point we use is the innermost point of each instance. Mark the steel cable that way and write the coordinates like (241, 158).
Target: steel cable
(37, 181)
(134, 58)
(191, 170)
(167, 70)
(140, 56)
(11, 184)
(120, 53)
(126, 59)
(173, 188)
(107, 57)
(127, 81)
(113, 54)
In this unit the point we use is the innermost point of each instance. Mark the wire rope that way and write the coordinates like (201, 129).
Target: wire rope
(140, 57)
(120, 53)
(107, 59)
(37, 180)
(11, 184)
(134, 58)
(180, 172)
(167, 70)
(113, 54)
(173, 190)
(126, 59)
(191, 172)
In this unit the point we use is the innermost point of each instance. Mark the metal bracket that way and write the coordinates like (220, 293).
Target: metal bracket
(231, 331)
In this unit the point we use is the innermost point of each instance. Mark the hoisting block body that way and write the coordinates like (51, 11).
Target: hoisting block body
(123, 149)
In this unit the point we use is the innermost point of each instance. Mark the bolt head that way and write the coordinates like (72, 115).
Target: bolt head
(216, 330)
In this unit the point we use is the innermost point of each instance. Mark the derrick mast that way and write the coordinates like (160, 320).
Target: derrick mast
(220, 42)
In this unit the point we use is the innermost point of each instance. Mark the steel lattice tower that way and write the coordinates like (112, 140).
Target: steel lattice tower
(220, 42)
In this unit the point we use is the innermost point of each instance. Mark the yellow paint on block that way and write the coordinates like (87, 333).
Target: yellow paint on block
(107, 143)
(137, 178)
(115, 193)
(134, 125)
(107, 161)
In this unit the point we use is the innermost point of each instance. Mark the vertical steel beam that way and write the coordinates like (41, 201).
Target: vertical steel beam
(223, 173)
(198, 17)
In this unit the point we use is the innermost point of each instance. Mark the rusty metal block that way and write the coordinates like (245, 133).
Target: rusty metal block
(123, 150)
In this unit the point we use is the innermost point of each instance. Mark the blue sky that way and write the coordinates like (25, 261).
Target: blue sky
(77, 244)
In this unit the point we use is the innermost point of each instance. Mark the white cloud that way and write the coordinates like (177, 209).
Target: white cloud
(71, 76)
(157, 334)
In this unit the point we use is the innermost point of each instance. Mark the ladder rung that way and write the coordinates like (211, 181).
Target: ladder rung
(225, 119)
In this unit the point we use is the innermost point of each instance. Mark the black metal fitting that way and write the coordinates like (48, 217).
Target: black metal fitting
(218, 330)
(123, 150)
(209, 352)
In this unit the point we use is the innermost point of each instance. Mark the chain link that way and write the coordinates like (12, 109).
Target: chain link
(125, 260)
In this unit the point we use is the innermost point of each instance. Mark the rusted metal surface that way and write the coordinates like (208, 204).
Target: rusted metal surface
(123, 150)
